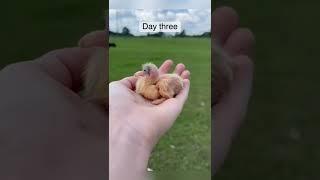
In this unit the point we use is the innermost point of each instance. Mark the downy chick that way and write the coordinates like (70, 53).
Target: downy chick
(169, 86)
(157, 87)
(146, 84)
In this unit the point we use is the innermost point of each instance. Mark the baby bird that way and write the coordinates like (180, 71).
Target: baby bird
(151, 85)
(156, 87)
(169, 86)
(146, 84)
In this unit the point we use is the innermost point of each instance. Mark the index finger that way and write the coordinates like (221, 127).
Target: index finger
(94, 39)
(165, 67)
(224, 21)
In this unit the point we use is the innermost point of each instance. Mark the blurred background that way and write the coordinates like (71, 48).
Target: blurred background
(32, 28)
(279, 138)
(280, 135)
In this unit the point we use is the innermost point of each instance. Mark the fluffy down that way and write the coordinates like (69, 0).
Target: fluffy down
(147, 89)
(155, 87)
(169, 85)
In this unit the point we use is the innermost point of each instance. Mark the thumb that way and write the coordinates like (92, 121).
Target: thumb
(129, 82)
(67, 65)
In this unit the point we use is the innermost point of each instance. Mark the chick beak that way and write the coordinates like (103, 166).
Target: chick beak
(146, 72)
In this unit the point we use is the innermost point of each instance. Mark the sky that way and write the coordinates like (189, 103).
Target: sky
(160, 4)
(193, 21)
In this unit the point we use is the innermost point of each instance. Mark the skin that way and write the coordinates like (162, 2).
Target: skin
(44, 120)
(230, 111)
(46, 123)
(140, 128)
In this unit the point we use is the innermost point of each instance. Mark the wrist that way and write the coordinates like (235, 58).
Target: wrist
(128, 153)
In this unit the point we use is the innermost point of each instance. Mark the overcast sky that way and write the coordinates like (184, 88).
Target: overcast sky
(193, 21)
(160, 4)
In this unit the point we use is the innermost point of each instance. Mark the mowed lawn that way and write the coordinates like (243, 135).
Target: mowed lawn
(187, 146)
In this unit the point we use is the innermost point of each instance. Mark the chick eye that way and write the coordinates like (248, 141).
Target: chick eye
(144, 70)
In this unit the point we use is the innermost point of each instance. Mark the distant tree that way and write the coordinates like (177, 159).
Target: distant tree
(206, 34)
(159, 34)
(111, 33)
(181, 34)
(126, 32)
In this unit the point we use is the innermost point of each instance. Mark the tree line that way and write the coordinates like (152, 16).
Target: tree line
(127, 33)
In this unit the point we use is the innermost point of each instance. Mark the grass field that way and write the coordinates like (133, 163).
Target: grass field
(280, 137)
(32, 28)
(187, 146)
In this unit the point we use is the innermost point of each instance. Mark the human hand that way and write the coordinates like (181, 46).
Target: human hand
(139, 123)
(46, 123)
(228, 114)
(150, 120)
(135, 125)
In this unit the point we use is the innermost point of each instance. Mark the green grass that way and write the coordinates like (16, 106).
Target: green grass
(32, 28)
(280, 136)
(191, 134)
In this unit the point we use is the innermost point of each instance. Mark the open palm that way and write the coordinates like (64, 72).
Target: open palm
(133, 111)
